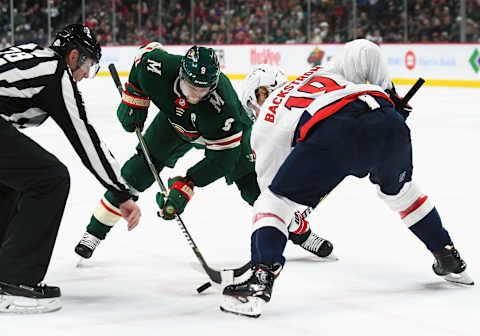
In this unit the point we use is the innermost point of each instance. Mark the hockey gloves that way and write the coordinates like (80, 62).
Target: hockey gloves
(403, 109)
(180, 190)
(132, 111)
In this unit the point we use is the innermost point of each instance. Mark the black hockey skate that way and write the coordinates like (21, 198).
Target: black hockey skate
(449, 265)
(312, 243)
(87, 245)
(249, 297)
(29, 299)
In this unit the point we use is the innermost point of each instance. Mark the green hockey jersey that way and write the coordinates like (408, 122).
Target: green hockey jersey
(218, 122)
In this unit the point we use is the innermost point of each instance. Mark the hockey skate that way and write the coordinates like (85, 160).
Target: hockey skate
(312, 243)
(249, 297)
(28, 300)
(87, 245)
(450, 266)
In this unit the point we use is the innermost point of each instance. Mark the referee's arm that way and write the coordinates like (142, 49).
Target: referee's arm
(67, 109)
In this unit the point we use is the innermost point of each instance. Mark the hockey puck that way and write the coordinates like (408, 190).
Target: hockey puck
(204, 287)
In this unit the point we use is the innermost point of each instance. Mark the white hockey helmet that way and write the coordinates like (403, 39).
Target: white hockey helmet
(263, 75)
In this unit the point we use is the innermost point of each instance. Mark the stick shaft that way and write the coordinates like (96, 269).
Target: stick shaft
(418, 84)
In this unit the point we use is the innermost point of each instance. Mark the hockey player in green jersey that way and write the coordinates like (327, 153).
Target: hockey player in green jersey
(198, 107)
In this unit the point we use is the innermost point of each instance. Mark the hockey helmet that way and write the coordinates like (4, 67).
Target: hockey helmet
(266, 76)
(200, 67)
(81, 38)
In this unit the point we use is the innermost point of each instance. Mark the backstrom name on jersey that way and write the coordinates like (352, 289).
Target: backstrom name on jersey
(270, 117)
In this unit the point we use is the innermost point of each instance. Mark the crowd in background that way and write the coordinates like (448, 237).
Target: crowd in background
(31, 20)
(247, 21)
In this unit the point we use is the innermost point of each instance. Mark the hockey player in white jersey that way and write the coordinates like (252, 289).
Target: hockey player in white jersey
(309, 135)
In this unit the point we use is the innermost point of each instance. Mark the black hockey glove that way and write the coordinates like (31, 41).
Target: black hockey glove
(403, 109)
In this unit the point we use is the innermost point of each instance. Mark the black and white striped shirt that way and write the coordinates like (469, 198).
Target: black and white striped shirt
(36, 83)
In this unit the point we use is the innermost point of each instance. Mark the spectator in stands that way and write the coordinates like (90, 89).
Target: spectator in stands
(4, 43)
(428, 21)
(316, 36)
(279, 36)
(91, 22)
(375, 37)
(324, 31)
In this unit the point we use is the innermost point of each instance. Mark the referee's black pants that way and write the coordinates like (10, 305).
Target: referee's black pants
(34, 186)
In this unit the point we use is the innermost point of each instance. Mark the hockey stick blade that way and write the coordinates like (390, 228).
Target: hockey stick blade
(227, 275)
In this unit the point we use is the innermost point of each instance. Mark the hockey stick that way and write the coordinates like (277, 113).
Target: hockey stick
(217, 276)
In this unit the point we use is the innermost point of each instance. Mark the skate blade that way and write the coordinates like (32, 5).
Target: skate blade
(313, 258)
(461, 278)
(22, 305)
(252, 307)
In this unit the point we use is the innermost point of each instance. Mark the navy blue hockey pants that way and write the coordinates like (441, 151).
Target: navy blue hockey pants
(354, 141)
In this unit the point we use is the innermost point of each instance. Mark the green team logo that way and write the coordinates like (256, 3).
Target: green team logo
(475, 60)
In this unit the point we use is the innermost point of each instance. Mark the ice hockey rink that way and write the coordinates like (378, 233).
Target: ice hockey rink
(142, 282)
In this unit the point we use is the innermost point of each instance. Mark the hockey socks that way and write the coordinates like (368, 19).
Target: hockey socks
(431, 232)
(106, 215)
(268, 244)
(419, 214)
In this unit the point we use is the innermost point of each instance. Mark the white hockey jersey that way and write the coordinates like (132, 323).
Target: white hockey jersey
(320, 92)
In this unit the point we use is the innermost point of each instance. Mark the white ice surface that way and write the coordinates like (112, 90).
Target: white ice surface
(141, 282)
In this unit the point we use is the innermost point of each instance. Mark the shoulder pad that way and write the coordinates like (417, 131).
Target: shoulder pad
(146, 49)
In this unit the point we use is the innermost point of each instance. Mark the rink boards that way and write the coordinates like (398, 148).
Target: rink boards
(453, 64)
